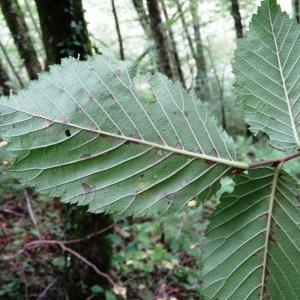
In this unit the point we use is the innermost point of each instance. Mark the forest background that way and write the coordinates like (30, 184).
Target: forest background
(87, 256)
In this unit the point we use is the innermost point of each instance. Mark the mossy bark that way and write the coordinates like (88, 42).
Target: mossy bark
(15, 21)
(64, 29)
(159, 37)
(4, 81)
(296, 4)
(235, 12)
(201, 86)
(173, 46)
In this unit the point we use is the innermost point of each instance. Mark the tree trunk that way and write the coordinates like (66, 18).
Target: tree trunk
(64, 29)
(33, 20)
(12, 67)
(173, 46)
(235, 12)
(142, 16)
(297, 10)
(201, 84)
(159, 37)
(19, 30)
(185, 28)
(114, 10)
(65, 34)
(5, 87)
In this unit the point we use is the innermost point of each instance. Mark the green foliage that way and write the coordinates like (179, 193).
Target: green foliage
(252, 243)
(96, 134)
(162, 254)
(90, 133)
(267, 71)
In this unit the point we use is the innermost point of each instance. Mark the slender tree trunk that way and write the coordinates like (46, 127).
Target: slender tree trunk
(65, 34)
(201, 84)
(33, 20)
(142, 16)
(114, 10)
(173, 46)
(19, 30)
(12, 67)
(5, 86)
(297, 9)
(185, 28)
(235, 12)
(145, 24)
(159, 37)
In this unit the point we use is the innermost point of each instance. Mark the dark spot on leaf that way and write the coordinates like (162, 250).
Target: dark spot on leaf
(142, 175)
(78, 108)
(237, 171)
(186, 113)
(174, 112)
(68, 133)
(117, 72)
(198, 150)
(170, 196)
(84, 156)
(209, 162)
(136, 135)
(271, 238)
(87, 188)
(178, 145)
(265, 291)
(119, 132)
(13, 125)
(110, 97)
(298, 198)
(64, 120)
(213, 152)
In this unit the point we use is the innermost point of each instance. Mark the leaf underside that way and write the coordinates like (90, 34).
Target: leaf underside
(94, 133)
(252, 247)
(267, 68)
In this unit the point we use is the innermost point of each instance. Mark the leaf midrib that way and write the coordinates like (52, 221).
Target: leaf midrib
(286, 94)
(268, 229)
(223, 161)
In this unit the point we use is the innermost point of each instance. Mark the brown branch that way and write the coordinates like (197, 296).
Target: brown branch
(275, 161)
(90, 264)
(89, 236)
(12, 212)
(31, 212)
(45, 291)
(120, 39)
(116, 287)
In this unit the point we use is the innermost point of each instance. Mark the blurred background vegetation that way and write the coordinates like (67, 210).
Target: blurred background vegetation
(52, 251)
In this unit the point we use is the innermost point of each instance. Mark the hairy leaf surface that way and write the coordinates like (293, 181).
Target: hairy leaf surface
(252, 247)
(267, 68)
(96, 134)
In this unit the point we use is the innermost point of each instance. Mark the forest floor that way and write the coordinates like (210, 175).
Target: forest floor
(153, 258)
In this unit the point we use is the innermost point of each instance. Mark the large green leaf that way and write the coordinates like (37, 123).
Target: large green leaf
(267, 68)
(252, 247)
(96, 134)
